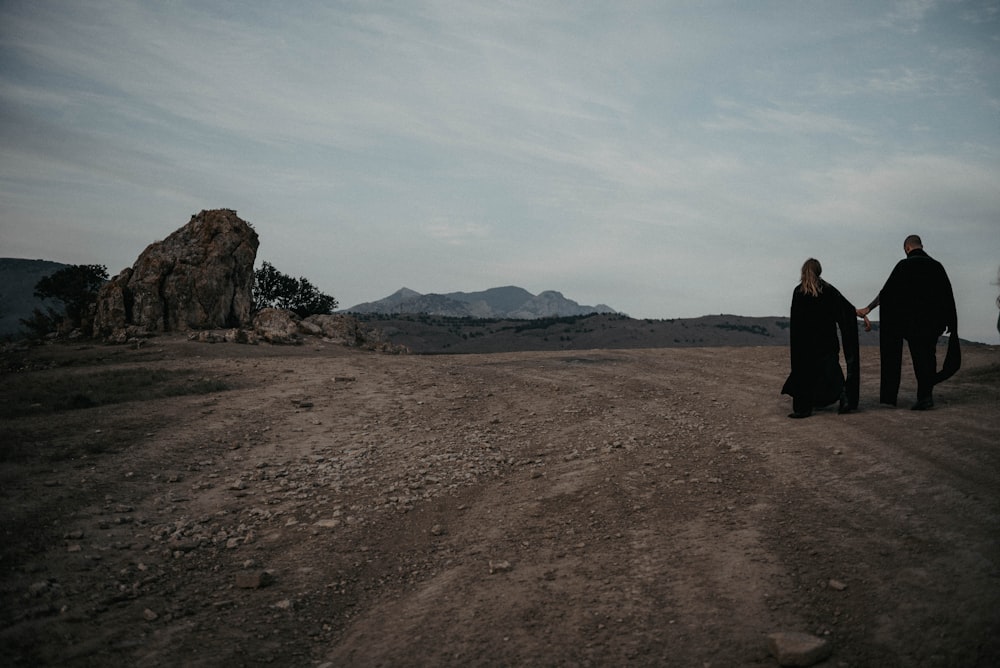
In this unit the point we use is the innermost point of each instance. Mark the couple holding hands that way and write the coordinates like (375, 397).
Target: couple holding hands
(917, 304)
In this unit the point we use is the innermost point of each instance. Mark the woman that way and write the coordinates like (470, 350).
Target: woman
(818, 311)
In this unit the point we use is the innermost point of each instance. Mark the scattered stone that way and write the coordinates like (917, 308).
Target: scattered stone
(793, 648)
(149, 615)
(253, 580)
(437, 530)
(348, 331)
(500, 567)
(328, 523)
(38, 588)
(836, 585)
(277, 326)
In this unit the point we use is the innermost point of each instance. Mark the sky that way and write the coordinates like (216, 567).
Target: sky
(670, 158)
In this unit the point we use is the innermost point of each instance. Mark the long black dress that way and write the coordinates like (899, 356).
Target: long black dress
(817, 379)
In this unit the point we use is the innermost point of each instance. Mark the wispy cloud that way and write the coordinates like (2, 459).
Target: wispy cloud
(667, 156)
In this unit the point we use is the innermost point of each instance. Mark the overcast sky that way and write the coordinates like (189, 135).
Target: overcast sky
(667, 158)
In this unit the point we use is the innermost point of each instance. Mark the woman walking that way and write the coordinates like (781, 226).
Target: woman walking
(817, 380)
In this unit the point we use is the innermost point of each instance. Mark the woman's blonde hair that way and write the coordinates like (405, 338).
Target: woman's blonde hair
(811, 282)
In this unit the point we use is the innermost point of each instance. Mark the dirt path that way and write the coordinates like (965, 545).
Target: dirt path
(648, 507)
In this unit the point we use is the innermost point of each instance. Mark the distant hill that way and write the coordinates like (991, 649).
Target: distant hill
(432, 334)
(505, 302)
(18, 279)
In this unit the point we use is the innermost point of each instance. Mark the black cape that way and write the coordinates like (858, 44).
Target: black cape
(816, 374)
(917, 300)
(952, 359)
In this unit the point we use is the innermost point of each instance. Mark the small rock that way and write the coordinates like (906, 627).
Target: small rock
(149, 615)
(284, 604)
(792, 648)
(836, 585)
(39, 588)
(254, 580)
(437, 530)
(500, 567)
(328, 523)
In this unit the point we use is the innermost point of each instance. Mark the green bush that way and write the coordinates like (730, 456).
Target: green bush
(273, 289)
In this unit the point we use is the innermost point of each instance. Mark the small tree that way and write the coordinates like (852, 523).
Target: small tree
(273, 289)
(76, 288)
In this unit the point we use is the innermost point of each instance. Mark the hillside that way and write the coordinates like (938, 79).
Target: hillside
(430, 334)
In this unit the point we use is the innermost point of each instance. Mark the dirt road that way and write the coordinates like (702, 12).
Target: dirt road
(606, 507)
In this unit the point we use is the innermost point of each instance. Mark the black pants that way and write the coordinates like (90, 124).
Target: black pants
(923, 351)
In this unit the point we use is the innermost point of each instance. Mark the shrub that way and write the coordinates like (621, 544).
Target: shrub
(273, 289)
(76, 288)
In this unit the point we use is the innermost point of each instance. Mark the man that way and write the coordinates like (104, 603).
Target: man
(917, 305)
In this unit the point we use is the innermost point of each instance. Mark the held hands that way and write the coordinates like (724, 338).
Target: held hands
(863, 313)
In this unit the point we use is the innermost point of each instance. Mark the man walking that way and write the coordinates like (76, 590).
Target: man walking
(917, 305)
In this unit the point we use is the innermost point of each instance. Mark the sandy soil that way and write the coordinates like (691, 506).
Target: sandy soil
(605, 507)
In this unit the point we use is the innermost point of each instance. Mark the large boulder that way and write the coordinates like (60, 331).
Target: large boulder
(199, 277)
(275, 325)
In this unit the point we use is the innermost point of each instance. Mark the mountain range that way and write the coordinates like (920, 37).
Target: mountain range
(505, 302)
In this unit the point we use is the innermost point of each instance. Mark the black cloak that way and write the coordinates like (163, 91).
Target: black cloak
(815, 350)
(917, 300)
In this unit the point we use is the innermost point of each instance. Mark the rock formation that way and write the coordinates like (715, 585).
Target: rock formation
(282, 327)
(199, 277)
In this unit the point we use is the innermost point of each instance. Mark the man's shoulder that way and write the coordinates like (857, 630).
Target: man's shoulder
(922, 260)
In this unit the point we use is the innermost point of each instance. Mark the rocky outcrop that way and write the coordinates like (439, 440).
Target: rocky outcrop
(349, 331)
(284, 327)
(281, 327)
(274, 325)
(200, 277)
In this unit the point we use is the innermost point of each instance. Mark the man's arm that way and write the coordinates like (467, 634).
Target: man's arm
(862, 312)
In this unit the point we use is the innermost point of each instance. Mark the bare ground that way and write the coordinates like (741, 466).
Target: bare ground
(604, 507)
